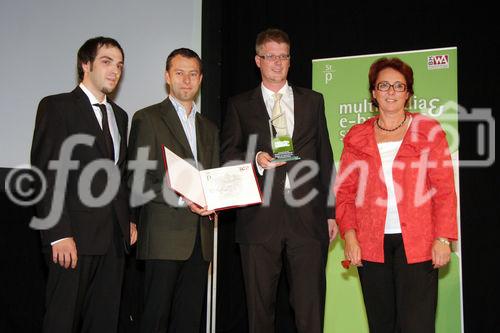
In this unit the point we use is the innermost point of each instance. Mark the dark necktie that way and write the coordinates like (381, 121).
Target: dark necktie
(105, 130)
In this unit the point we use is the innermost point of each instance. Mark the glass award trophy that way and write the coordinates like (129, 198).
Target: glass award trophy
(281, 141)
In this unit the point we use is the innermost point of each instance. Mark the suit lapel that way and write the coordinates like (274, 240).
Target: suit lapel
(299, 105)
(258, 107)
(91, 124)
(171, 119)
(258, 103)
(122, 129)
(202, 140)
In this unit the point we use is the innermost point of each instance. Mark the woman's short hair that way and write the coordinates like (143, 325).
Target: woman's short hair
(396, 64)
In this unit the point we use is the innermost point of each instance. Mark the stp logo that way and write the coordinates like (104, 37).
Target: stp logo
(438, 61)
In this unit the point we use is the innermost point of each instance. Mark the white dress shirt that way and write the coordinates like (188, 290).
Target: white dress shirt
(388, 151)
(286, 104)
(113, 127)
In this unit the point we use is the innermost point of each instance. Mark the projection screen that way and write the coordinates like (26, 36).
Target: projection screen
(40, 40)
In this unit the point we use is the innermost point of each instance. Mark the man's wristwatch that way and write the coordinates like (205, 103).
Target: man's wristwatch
(443, 240)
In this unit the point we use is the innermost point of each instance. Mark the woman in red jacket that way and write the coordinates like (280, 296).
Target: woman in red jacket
(396, 205)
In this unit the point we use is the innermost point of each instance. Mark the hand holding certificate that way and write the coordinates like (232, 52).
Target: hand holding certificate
(215, 189)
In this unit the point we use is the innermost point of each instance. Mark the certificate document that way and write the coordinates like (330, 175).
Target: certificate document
(217, 188)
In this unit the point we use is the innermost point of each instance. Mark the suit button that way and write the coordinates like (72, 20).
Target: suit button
(403, 224)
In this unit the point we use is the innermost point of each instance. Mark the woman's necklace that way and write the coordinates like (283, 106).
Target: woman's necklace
(392, 129)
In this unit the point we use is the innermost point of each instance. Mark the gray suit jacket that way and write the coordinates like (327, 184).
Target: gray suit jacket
(164, 231)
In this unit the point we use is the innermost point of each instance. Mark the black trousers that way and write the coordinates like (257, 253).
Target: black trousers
(175, 292)
(87, 298)
(305, 261)
(399, 297)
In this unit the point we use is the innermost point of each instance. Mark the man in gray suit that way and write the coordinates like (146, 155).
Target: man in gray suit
(175, 236)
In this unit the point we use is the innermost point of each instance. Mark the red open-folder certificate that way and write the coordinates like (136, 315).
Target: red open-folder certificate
(217, 188)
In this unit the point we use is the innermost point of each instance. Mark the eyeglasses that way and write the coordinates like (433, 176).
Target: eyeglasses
(272, 57)
(397, 86)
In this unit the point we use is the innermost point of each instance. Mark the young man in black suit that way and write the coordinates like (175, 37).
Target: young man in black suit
(295, 225)
(86, 246)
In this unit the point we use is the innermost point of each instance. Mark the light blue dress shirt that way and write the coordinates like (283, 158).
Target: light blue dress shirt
(188, 123)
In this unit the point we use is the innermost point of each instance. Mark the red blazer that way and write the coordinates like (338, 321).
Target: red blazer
(424, 186)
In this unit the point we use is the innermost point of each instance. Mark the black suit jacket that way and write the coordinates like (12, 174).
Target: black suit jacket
(168, 232)
(247, 115)
(58, 118)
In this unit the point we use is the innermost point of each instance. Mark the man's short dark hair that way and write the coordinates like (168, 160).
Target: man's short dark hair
(271, 35)
(186, 53)
(88, 51)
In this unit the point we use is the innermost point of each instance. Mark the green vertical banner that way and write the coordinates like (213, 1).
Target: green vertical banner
(344, 85)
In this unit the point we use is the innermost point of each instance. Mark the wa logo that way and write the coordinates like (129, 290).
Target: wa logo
(438, 62)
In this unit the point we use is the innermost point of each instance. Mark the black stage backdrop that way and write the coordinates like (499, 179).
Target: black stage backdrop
(318, 29)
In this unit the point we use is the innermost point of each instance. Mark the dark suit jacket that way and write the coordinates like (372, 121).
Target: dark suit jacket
(59, 117)
(168, 232)
(247, 115)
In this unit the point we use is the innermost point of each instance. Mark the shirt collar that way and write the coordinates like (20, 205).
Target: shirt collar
(180, 108)
(93, 100)
(267, 93)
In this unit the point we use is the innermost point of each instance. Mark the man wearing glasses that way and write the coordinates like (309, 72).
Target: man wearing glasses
(294, 224)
